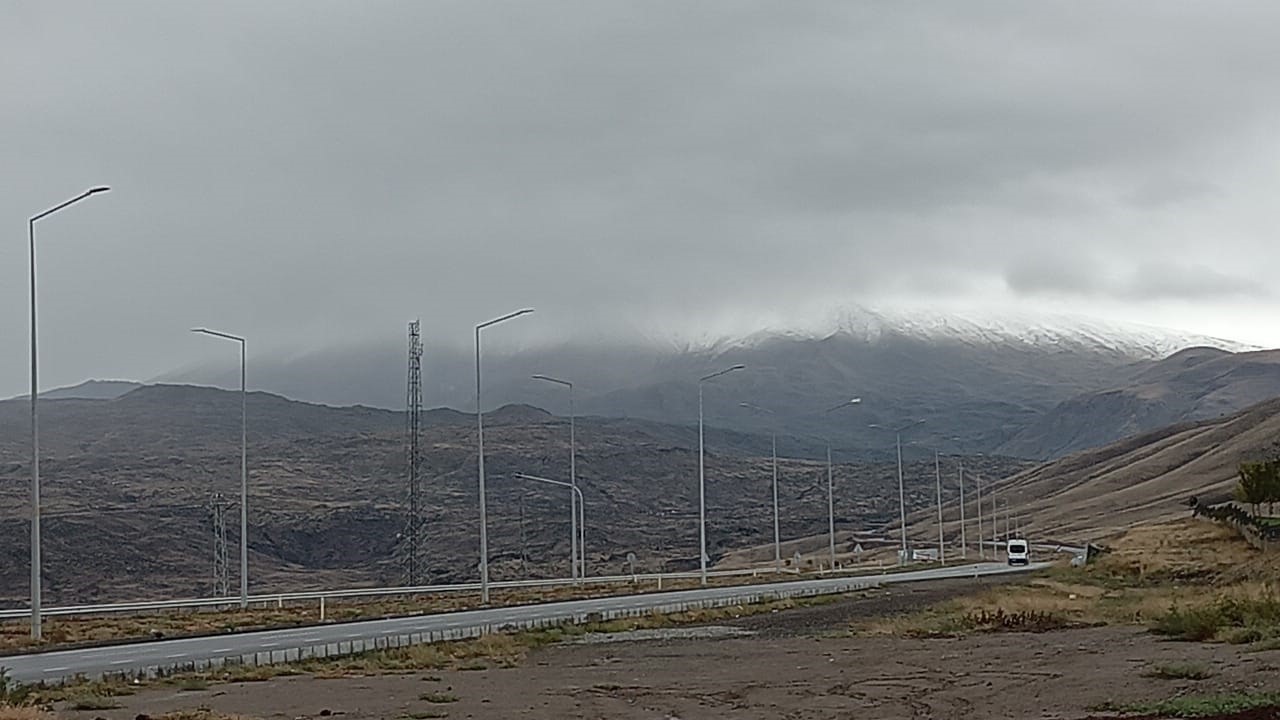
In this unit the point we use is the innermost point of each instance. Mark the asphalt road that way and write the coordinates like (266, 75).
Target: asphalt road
(93, 662)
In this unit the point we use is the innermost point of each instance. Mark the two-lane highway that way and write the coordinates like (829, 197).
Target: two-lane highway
(139, 657)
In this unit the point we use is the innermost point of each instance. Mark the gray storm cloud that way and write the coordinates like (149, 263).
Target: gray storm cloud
(315, 173)
(1067, 275)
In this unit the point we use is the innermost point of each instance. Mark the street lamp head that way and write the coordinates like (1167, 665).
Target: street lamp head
(216, 333)
(504, 318)
(722, 372)
(96, 190)
(856, 401)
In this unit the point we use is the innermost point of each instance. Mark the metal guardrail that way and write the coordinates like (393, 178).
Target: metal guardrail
(279, 599)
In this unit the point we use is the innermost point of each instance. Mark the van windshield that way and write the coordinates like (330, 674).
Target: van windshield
(1017, 547)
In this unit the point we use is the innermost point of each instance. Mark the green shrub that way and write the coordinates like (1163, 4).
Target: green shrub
(1237, 620)
(1242, 635)
(1194, 624)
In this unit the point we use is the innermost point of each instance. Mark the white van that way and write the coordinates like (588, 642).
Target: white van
(1019, 552)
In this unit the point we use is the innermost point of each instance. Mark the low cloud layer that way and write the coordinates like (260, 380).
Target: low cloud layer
(1079, 277)
(312, 174)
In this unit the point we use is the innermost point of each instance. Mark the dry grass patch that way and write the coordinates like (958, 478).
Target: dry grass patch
(92, 701)
(1189, 579)
(1052, 600)
(12, 712)
(198, 714)
(1187, 550)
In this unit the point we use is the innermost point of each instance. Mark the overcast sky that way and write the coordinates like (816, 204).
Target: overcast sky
(317, 173)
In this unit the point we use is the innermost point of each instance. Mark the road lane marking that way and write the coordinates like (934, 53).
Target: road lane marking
(57, 669)
(121, 662)
(270, 645)
(171, 657)
(223, 650)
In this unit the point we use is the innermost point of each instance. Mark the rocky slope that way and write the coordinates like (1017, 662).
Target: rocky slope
(127, 481)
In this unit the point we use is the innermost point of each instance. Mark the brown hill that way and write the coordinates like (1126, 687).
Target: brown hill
(1145, 478)
(1194, 384)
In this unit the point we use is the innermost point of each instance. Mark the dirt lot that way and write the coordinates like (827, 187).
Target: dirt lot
(797, 664)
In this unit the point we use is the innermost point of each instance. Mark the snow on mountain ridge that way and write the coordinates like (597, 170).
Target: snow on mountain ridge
(986, 328)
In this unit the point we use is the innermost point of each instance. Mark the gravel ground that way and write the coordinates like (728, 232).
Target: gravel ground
(879, 602)
(794, 665)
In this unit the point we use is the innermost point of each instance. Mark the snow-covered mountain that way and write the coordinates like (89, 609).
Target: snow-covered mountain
(978, 379)
(1069, 332)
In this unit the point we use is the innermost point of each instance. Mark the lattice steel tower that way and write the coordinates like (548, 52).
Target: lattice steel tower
(414, 562)
(218, 511)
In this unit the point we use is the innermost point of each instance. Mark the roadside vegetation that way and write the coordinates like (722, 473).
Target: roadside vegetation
(73, 632)
(501, 650)
(1187, 580)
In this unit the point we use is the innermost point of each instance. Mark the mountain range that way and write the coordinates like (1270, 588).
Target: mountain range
(130, 469)
(128, 482)
(1033, 387)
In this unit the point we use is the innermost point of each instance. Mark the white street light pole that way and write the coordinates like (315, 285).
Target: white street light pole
(902, 495)
(577, 514)
(579, 557)
(831, 513)
(777, 537)
(831, 496)
(244, 468)
(977, 484)
(37, 576)
(484, 521)
(995, 526)
(964, 546)
(937, 471)
(702, 474)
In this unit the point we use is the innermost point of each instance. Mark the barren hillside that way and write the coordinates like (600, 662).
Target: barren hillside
(1194, 384)
(1145, 478)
